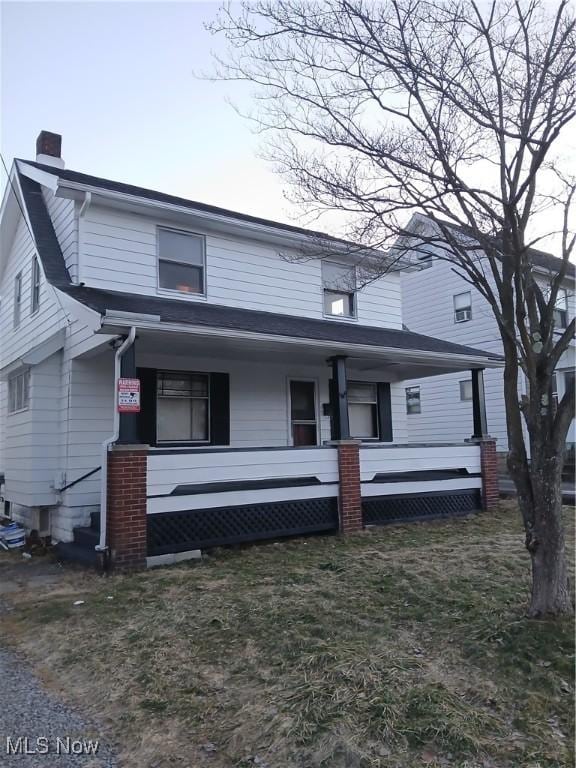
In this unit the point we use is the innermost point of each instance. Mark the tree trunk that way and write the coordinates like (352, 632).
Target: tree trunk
(551, 594)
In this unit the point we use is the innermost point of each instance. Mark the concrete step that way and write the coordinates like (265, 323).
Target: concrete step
(75, 553)
(86, 537)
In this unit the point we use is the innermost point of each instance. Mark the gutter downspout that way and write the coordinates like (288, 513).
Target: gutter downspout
(81, 215)
(128, 341)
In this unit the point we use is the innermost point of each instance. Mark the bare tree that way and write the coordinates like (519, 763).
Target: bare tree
(452, 110)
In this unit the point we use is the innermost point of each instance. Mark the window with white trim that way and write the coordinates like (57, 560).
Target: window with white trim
(35, 286)
(363, 409)
(466, 389)
(339, 286)
(181, 261)
(17, 299)
(303, 414)
(462, 307)
(19, 391)
(413, 403)
(561, 309)
(182, 407)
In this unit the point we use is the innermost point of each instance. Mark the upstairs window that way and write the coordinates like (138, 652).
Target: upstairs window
(561, 309)
(363, 410)
(339, 284)
(19, 392)
(413, 404)
(17, 299)
(182, 407)
(462, 307)
(466, 390)
(181, 262)
(35, 287)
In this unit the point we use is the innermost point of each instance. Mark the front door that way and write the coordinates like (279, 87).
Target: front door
(303, 417)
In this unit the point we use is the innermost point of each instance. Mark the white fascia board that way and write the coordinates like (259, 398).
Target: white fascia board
(37, 354)
(46, 179)
(78, 311)
(109, 322)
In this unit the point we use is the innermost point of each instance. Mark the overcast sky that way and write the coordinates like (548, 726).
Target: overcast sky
(117, 80)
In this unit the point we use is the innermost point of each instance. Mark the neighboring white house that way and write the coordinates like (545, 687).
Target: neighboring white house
(246, 358)
(438, 301)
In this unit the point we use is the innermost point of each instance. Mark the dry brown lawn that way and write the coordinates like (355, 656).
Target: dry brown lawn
(401, 646)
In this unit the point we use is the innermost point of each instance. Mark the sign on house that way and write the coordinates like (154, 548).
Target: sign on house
(128, 395)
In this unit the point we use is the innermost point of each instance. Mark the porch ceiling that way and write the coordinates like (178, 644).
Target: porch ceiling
(397, 366)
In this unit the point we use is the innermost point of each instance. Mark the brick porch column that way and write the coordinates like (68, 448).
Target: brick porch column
(127, 542)
(350, 496)
(489, 469)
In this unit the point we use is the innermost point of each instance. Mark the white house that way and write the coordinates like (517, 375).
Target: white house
(438, 301)
(254, 365)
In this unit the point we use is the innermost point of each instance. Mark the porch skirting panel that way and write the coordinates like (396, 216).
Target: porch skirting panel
(379, 510)
(212, 527)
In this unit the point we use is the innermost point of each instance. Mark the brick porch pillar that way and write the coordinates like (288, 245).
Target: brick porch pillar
(489, 469)
(127, 542)
(350, 496)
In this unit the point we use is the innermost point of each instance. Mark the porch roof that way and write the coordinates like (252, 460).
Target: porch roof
(175, 312)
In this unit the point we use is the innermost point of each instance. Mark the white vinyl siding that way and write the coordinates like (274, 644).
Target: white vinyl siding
(119, 252)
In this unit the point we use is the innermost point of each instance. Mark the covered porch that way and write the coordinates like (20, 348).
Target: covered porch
(244, 440)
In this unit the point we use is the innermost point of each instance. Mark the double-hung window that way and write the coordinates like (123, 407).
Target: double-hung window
(413, 404)
(462, 307)
(35, 286)
(182, 407)
(561, 309)
(181, 262)
(466, 389)
(363, 410)
(339, 286)
(19, 391)
(17, 299)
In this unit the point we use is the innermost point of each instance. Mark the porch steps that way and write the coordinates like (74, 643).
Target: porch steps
(82, 549)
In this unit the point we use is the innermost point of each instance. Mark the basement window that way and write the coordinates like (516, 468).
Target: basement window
(19, 392)
(181, 262)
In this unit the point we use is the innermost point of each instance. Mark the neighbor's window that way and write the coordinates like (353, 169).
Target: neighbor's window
(554, 391)
(561, 309)
(17, 299)
(413, 400)
(425, 260)
(339, 282)
(181, 261)
(35, 300)
(19, 392)
(363, 409)
(182, 407)
(466, 390)
(462, 307)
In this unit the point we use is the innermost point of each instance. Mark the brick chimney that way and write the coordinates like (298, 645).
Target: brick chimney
(49, 148)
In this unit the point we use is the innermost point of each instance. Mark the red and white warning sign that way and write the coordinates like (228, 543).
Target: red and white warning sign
(129, 395)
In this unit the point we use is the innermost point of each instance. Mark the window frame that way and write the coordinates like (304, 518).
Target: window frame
(201, 296)
(23, 375)
(406, 389)
(466, 309)
(559, 312)
(378, 436)
(462, 398)
(35, 283)
(352, 295)
(318, 421)
(17, 309)
(183, 443)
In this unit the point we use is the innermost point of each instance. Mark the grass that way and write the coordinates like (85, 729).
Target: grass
(402, 646)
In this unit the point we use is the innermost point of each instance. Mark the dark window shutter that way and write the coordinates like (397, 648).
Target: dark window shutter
(334, 413)
(219, 409)
(384, 412)
(147, 415)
